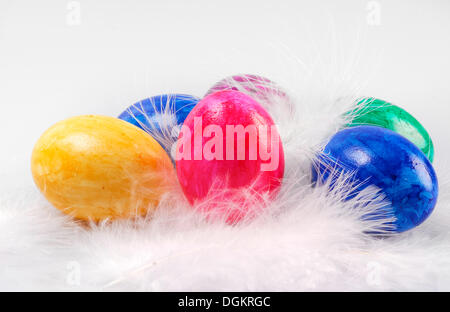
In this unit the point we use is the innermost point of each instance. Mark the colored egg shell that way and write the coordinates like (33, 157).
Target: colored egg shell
(159, 115)
(375, 112)
(263, 90)
(232, 178)
(387, 160)
(97, 167)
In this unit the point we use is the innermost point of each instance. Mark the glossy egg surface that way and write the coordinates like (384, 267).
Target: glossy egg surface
(98, 167)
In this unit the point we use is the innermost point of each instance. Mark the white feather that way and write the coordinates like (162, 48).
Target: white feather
(307, 239)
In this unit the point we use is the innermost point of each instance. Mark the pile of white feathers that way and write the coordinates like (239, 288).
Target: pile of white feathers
(308, 239)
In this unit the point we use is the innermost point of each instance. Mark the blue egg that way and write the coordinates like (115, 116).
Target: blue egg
(161, 116)
(385, 159)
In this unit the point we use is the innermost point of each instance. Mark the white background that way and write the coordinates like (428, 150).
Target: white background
(63, 58)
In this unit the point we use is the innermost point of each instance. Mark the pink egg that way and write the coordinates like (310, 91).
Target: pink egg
(263, 90)
(230, 158)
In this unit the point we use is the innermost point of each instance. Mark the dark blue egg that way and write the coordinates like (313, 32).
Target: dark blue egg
(161, 116)
(385, 159)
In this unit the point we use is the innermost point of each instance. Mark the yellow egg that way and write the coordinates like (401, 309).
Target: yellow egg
(97, 167)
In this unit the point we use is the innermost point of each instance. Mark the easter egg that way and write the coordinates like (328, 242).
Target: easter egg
(385, 159)
(97, 167)
(229, 151)
(161, 116)
(264, 91)
(375, 112)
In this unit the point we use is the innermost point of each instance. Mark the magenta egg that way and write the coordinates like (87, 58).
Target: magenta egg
(263, 90)
(230, 157)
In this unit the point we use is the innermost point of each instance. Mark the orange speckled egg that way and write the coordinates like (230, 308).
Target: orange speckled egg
(98, 167)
